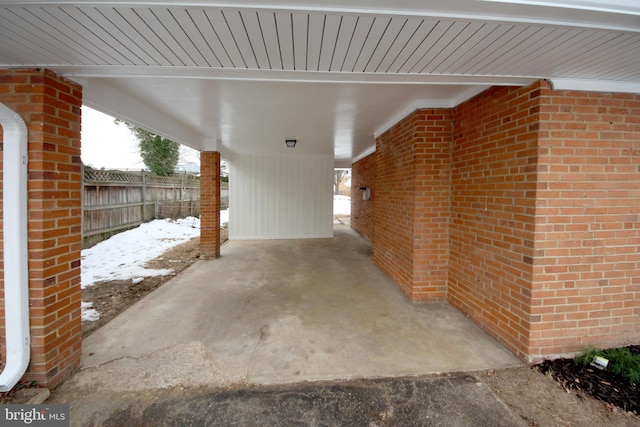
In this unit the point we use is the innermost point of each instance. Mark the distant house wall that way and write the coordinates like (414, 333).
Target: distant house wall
(526, 202)
(283, 197)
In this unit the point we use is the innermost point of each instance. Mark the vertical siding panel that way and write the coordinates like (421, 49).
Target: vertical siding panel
(281, 197)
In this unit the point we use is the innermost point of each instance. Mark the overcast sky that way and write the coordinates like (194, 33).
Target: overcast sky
(111, 146)
(107, 145)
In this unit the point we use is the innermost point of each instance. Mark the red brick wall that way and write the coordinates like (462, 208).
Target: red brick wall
(493, 211)
(363, 174)
(50, 106)
(586, 283)
(210, 204)
(411, 217)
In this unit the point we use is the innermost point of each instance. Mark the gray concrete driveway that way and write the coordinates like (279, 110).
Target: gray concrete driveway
(278, 312)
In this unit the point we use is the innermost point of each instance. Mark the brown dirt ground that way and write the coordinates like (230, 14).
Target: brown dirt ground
(536, 398)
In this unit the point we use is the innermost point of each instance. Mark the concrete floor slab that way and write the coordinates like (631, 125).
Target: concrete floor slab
(282, 311)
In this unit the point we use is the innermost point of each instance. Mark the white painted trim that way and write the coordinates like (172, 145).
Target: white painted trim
(82, 71)
(595, 85)
(99, 93)
(613, 14)
(470, 93)
(16, 271)
(364, 154)
(313, 236)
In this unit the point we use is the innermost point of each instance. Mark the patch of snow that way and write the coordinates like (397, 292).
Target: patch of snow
(341, 205)
(88, 313)
(124, 256)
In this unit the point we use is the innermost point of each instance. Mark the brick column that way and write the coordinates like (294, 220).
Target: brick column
(50, 106)
(412, 205)
(210, 204)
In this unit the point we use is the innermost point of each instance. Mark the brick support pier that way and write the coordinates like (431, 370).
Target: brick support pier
(210, 204)
(51, 108)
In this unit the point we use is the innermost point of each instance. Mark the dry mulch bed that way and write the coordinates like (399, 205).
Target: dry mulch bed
(603, 385)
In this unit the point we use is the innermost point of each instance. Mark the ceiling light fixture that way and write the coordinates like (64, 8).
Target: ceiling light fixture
(291, 143)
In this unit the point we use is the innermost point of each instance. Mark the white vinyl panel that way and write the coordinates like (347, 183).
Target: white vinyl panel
(627, 68)
(220, 26)
(174, 20)
(113, 33)
(300, 29)
(256, 38)
(474, 42)
(137, 43)
(416, 43)
(55, 18)
(285, 39)
(275, 197)
(437, 41)
(386, 40)
(35, 37)
(14, 52)
(201, 20)
(452, 48)
(347, 26)
(540, 56)
(329, 38)
(363, 28)
(143, 35)
(595, 60)
(518, 38)
(480, 50)
(29, 42)
(567, 51)
(239, 32)
(270, 34)
(196, 41)
(102, 37)
(314, 44)
(400, 43)
(374, 38)
(147, 29)
(166, 42)
(608, 62)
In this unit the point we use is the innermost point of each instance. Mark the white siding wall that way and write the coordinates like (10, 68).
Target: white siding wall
(281, 197)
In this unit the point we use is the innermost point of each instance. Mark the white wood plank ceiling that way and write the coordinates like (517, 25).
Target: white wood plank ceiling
(200, 48)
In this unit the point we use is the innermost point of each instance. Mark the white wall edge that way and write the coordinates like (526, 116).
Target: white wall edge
(595, 85)
(295, 237)
(364, 154)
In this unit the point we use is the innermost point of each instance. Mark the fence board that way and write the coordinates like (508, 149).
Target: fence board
(114, 201)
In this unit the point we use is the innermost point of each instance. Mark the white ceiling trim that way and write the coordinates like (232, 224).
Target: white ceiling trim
(612, 15)
(364, 154)
(595, 85)
(429, 103)
(138, 113)
(79, 72)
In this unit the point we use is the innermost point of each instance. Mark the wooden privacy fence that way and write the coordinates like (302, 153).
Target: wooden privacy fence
(114, 201)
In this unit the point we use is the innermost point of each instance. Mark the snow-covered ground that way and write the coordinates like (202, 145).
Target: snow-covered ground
(123, 256)
(341, 205)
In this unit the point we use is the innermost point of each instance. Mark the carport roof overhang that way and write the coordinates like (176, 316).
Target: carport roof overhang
(240, 78)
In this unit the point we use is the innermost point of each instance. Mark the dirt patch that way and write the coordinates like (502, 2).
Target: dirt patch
(541, 401)
(111, 298)
(604, 385)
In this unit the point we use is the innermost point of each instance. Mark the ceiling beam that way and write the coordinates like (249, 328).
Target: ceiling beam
(106, 98)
